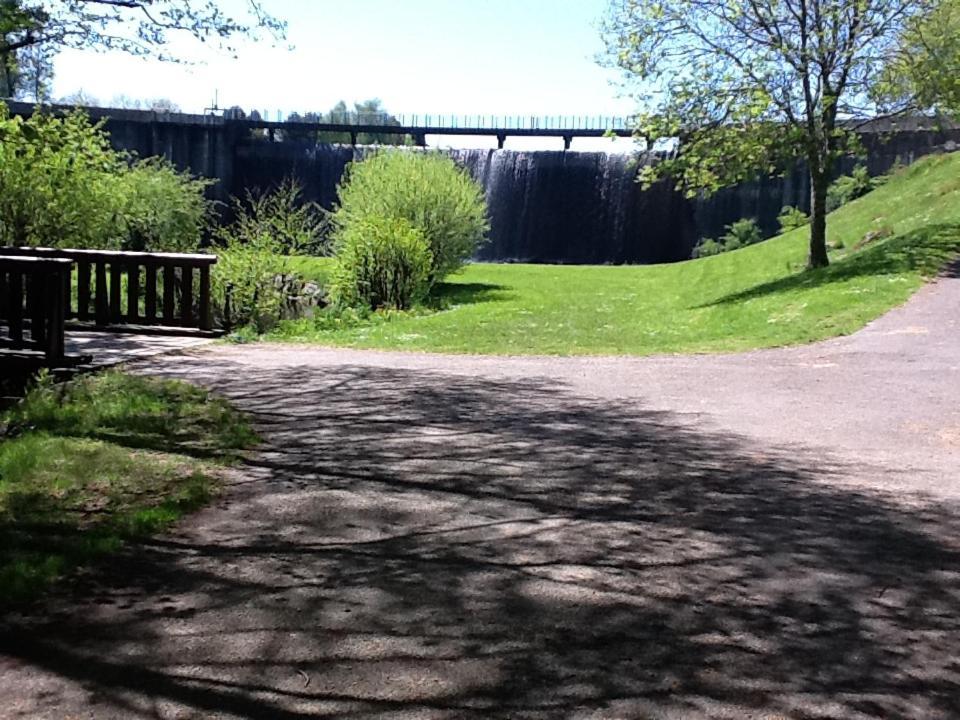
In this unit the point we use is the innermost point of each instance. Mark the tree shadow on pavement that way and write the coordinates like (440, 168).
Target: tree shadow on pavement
(413, 544)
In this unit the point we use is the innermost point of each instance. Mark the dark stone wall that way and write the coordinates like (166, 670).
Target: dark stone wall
(560, 207)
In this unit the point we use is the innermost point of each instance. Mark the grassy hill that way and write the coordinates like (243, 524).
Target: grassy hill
(759, 296)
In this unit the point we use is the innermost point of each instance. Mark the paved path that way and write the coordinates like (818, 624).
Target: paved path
(111, 348)
(768, 535)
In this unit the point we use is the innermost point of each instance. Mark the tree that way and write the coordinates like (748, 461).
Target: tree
(158, 105)
(748, 86)
(368, 112)
(138, 27)
(16, 23)
(926, 63)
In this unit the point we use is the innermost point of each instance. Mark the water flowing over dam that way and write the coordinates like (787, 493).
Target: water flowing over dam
(544, 206)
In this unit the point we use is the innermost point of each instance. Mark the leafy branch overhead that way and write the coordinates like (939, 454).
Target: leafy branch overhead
(139, 27)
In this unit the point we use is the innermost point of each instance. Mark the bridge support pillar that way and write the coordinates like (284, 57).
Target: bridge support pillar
(353, 138)
(420, 140)
(567, 139)
(501, 139)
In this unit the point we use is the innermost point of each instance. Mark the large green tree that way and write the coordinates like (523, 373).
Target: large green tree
(138, 27)
(748, 86)
(925, 65)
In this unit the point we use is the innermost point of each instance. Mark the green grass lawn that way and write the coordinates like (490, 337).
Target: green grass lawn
(759, 296)
(85, 466)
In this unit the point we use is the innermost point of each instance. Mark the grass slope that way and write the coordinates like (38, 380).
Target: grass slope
(105, 458)
(759, 296)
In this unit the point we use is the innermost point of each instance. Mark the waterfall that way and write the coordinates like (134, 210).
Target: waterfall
(544, 206)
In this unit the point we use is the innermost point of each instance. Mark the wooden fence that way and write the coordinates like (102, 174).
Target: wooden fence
(33, 302)
(112, 288)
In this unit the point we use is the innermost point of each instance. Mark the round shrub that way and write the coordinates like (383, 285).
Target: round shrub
(427, 190)
(382, 262)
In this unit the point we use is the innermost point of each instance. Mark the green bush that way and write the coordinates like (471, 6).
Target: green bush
(278, 217)
(427, 190)
(244, 288)
(57, 181)
(791, 218)
(381, 263)
(849, 187)
(62, 184)
(254, 284)
(741, 233)
(707, 247)
(164, 210)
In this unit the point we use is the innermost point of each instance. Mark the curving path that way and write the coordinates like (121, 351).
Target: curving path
(768, 535)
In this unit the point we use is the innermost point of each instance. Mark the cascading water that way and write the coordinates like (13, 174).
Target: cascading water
(574, 207)
(544, 206)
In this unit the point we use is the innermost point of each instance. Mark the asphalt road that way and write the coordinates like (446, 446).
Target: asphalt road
(773, 534)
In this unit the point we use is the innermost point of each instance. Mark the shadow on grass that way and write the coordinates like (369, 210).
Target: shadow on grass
(137, 413)
(447, 294)
(928, 250)
(422, 544)
(72, 484)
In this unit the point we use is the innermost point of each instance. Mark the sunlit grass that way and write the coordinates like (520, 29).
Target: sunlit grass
(759, 296)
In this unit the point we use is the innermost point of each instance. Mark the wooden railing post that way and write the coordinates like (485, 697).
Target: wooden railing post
(56, 332)
(133, 293)
(15, 306)
(206, 320)
(186, 296)
(35, 287)
(150, 295)
(101, 313)
(83, 290)
(169, 289)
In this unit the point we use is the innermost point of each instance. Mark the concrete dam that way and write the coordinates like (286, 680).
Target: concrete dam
(544, 206)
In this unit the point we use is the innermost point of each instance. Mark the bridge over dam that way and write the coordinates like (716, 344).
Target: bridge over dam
(419, 127)
(545, 206)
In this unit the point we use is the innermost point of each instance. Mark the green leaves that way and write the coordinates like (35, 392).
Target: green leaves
(426, 189)
(61, 184)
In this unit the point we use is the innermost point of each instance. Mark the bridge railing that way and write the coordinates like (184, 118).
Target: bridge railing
(107, 288)
(32, 304)
(453, 121)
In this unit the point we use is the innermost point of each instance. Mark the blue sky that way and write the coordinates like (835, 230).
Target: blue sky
(526, 57)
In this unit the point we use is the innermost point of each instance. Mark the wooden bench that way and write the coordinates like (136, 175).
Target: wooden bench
(32, 304)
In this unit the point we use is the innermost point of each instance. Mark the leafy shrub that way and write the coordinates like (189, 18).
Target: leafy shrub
(381, 263)
(62, 184)
(244, 288)
(849, 187)
(279, 217)
(707, 247)
(791, 218)
(427, 190)
(164, 210)
(57, 181)
(741, 233)
(254, 284)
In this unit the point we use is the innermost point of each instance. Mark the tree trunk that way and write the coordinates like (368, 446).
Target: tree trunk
(818, 220)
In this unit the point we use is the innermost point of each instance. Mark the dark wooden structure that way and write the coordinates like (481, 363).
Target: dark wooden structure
(44, 291)
(115, 288)
(33, 303)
